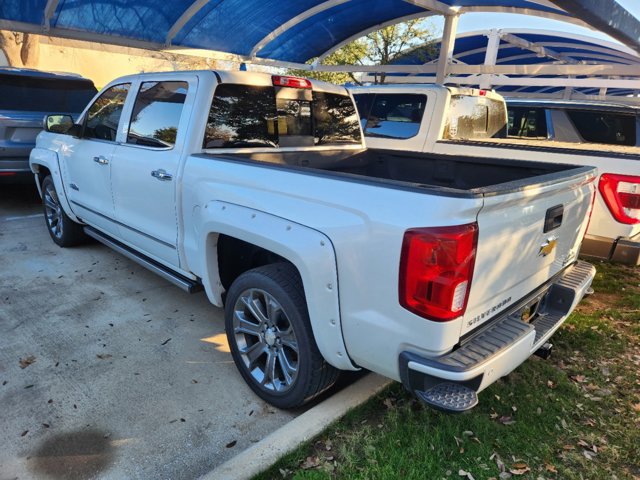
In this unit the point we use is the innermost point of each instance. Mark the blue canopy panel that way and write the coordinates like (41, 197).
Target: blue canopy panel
(471, 49)
(292, 31)
(311, 38)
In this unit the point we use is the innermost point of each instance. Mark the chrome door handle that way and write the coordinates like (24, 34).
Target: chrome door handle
(101, 160)
(162, 175)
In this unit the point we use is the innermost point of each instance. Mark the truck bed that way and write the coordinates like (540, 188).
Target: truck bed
(440, 174)
(569, 148)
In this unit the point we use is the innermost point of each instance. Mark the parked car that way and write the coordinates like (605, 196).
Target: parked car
(26, 96)
(574, 121)
(462, 121)
(443, 272)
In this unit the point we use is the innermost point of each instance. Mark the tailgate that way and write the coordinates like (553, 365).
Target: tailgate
(18, 132)
(525, 238)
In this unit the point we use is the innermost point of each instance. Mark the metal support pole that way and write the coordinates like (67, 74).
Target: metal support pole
(446, 46)
(491, 55)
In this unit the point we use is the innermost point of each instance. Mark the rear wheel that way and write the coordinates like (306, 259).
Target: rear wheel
(63, 231)
(270, 337)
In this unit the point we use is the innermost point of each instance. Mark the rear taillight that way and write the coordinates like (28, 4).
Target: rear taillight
(293, 82)
(436, 267)
(7, 174)
(621, 193)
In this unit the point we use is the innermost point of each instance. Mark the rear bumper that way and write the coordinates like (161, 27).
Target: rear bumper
(15, 170)
(451, 382)
(620, 250)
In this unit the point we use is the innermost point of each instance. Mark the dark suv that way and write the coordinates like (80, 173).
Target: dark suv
(26, 96)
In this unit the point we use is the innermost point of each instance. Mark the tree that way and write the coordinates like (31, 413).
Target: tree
(21, 49)
(381, 47)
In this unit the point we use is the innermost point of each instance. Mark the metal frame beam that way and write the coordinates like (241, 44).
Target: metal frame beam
(520, 42)
(608, 16)
(293, 22)
(49, 10)
(435, 6)
(446, 47)
(179, 24)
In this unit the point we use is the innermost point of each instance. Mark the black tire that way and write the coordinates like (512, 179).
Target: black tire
(279, 283)
(63, 231)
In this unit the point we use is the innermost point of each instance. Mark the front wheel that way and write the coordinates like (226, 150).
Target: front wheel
(63, 231)
(270, 337)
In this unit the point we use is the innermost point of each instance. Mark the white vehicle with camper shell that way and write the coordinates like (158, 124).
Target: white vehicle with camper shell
(445, 273)
(451, 121)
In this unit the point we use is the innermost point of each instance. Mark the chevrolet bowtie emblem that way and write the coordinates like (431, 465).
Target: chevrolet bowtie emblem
(547, 247)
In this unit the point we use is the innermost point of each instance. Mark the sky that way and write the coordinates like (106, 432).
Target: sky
(482, 21)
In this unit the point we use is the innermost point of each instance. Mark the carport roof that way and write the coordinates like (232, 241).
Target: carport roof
(285, 31)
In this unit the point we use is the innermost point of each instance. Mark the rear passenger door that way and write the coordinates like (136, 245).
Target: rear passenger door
(145, 168)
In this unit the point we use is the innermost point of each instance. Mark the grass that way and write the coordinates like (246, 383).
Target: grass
(574, 416)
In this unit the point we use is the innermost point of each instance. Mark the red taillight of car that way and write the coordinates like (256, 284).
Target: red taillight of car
(436, 266)
(621, 193)
(293, 82)
(7, 174)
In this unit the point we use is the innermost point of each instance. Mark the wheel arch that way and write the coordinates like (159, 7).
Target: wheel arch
(44, 162)
(308, 250)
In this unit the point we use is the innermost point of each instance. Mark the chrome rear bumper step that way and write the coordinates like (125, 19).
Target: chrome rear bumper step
(184, 283)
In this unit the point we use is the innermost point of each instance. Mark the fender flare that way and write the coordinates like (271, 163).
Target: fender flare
(49, 159)
(309, 250)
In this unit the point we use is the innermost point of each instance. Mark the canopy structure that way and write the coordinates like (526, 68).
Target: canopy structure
(285, 32)
(540, 64)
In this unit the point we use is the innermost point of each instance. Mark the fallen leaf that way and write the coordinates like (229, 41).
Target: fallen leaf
(231, 444)
(24, 433)
(25, 362)
(506, 420)
(388, 403)
(462, 473)
(504, 475)
(551, 384)
(588, 454)
(103, 356)
(310, 462)
(550, 468)
(520, 471)
(582, 443)
(578, 378)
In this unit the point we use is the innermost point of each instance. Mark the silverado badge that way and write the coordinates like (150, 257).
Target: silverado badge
(547, 247)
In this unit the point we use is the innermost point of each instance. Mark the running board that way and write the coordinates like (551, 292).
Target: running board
(184, 283)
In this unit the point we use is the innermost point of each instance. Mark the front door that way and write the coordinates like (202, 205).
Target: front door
(87, 161)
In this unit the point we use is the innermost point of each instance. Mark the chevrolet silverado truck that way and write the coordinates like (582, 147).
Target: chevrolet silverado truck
(463, 121)
(442, 272)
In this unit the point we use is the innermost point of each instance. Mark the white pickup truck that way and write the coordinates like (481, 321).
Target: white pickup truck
(455, 121)
(445, 273)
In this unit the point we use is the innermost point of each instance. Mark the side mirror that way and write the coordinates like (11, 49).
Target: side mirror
(60, 124)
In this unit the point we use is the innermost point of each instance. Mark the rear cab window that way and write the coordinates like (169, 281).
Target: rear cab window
(41, 94)
(396, 116)
(246, 116)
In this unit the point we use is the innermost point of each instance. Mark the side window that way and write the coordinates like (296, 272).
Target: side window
(104, 115)
(600, 127)
(392, 115)
(156, 114)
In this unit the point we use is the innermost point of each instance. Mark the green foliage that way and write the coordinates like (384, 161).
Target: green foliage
(377, 48)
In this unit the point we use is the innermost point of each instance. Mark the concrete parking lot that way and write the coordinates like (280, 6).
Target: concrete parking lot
(107, 371)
